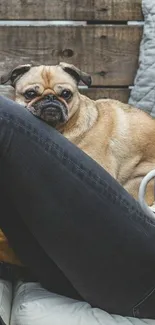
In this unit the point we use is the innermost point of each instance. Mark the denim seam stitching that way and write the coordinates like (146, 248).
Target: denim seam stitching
(143, 300)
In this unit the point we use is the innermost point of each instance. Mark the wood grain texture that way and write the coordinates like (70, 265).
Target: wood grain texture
(71, 10)
(121, 94)
(93, 93)
(108, 53)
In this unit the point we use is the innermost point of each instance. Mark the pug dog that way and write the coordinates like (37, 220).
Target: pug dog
(117, 136)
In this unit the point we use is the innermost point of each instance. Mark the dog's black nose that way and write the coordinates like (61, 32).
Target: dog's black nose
(50, 97)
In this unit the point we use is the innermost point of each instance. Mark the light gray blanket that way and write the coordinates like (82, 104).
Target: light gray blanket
(143, 93)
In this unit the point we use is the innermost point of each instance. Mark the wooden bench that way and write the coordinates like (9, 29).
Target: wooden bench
(98, 40)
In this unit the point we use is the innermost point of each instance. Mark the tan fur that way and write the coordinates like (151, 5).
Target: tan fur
(120, 138)
(6, 252)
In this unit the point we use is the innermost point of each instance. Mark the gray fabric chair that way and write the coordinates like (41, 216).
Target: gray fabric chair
(142, 94)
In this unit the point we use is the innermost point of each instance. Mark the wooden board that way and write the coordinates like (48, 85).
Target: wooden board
(71, 9)
(108, 53)
(121, 94)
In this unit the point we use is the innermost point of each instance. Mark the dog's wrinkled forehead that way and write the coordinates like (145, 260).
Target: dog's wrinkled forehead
(46, 76)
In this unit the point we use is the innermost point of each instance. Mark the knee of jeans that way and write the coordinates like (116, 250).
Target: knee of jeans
(11, 110)
(10, 115)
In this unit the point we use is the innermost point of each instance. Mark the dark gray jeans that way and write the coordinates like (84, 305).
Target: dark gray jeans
(70, 222)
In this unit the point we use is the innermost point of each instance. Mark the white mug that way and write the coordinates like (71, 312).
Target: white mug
(141, 196)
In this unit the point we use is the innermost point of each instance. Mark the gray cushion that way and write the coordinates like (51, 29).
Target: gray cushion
(143, 93)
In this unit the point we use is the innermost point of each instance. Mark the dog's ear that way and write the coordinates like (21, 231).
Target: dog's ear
(15, 74)
(76, 73)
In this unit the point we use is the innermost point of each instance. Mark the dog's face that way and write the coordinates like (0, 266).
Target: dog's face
(49, 92)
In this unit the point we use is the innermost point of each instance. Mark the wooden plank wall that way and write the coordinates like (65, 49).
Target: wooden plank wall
(101, 44)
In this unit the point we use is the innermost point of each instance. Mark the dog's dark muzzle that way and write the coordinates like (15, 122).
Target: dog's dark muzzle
(51, 110)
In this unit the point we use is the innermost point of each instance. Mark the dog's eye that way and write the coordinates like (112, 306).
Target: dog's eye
(66, 94)
(30, 94)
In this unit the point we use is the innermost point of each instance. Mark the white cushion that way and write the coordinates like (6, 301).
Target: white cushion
(35, 305)
(5, 301)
